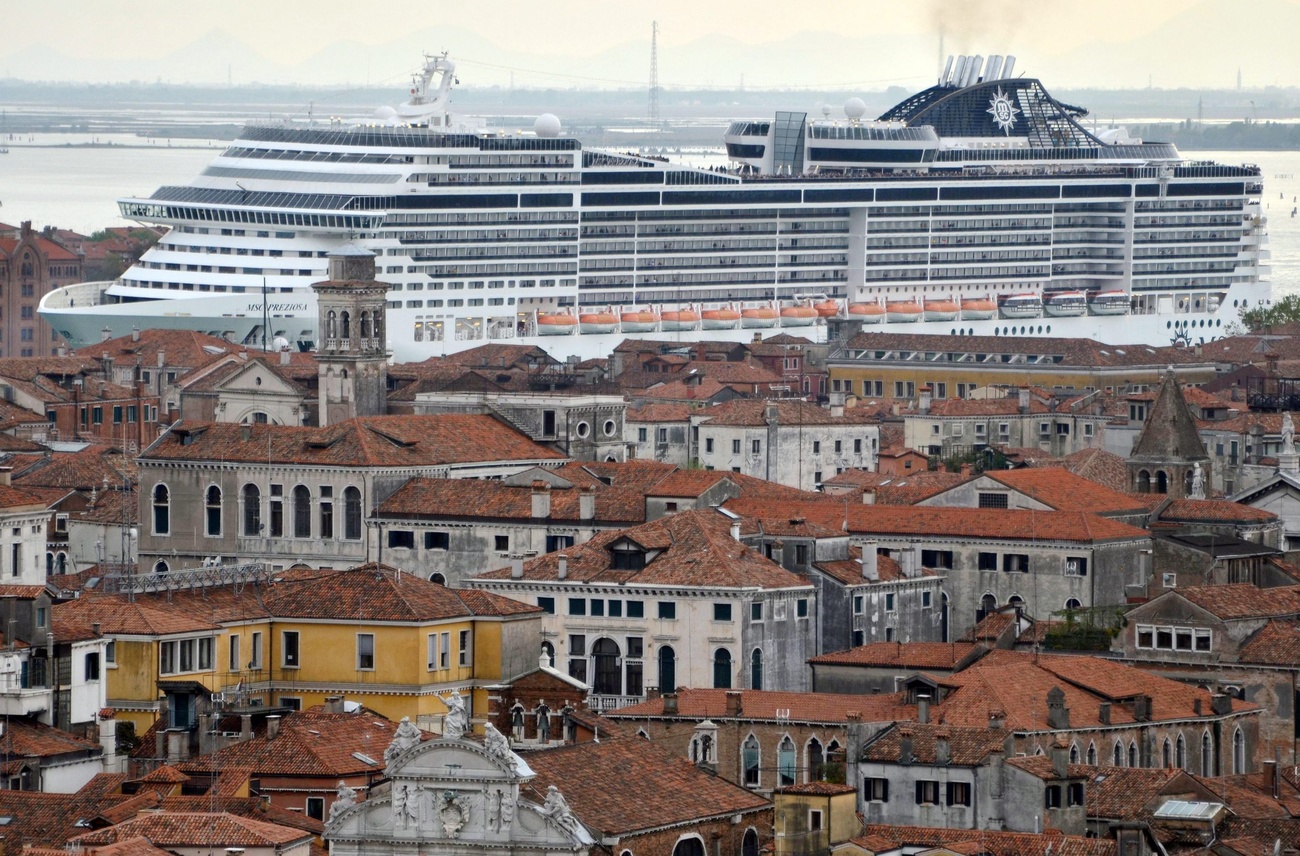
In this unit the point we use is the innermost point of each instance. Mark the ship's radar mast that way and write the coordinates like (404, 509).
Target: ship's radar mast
(430, 102)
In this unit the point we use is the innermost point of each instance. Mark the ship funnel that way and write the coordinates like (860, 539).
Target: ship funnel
(947, 70)
(1009, 66)
(959, 73)
(973, 70)
(994, 68)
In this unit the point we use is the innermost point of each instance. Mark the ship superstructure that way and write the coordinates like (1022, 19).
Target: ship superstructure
(980, 205)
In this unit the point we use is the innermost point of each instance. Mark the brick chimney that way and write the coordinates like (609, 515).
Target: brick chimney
(670, 703)
(942, 753)
(1058, 715)
(334, 704)
(272, 727)
(733, 703)
(541, 500)
(1060, 758)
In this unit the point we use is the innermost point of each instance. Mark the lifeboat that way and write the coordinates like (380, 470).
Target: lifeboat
(867, 313)
(1022, 306)
(941, 310)
(759, 316)
(725, 318)
(638, 321)
(675, 320)
(903, 311)
(1109, 303)
(798, 316)
(827, 308)
(978, 308)
(555, 324)
(598, 322)
(1066, 304)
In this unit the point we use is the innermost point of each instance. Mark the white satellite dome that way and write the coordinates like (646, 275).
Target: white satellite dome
(385, 114)
(547, 125)
(855, 108)
(280, 343)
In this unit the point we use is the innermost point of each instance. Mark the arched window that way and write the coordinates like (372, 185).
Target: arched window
(347, 326)
(816, 760)
(61, 563)
(667, 669)
(1144, 481)
(1162, 481)
(49, 564)
(1207, 754)
(1238, 753)
(1073, 603)
(988, 605)
(785, 762)
(1092, 754)
(212, 511)
(1132, 753)
(548, 649)
(693, 846)
(749, 755)
(438, 578)
(162, 510)
(1015, 600)
(351, 514)
(365, 324)
(1074, 753)
(1180, 753)
(722, 669)
(160, 568)
(608, 680)
(331, 325)
(1167, 754)
(756, 669)
(301, 512)
(1118, 755)
(749, 845)
(252, 499)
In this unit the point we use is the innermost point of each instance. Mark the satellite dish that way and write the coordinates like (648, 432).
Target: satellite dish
(855, 108)
(547, 125)
(826, 111)
(280, 343)
(385, 115)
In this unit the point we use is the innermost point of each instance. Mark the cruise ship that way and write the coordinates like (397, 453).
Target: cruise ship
(979, 206)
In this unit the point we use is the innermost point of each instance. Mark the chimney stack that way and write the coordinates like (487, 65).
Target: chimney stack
(562, 572)
(135, 333)
(1058, 715)
(1270, 777)
(285, 356)
(1024, 399)
(942, 753)
(735, 530)
(1103, 714)
(923, 709)
(516, 567)
(870, 561)
(670, 703)
(272, 727)
(1220, 704)
(923, 405)
(1060, 759)
(907, 562)
(587, 503)
(541, 500)
(733, 703)
(997, 718)
(334, 704)
(905, 755)
(778, 552)
(105, 335)
(5, 474)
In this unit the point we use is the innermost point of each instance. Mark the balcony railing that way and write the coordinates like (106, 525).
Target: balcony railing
(606, 703)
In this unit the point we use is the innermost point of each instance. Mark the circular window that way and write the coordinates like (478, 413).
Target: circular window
(609, 427)
(583, 429)
(257, 381)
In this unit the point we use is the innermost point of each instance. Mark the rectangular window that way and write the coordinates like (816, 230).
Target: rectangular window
(91, 666)
(817, 447)
(547, 605)
(234, 663)
(635, 608)
(502, 543)
(992, 500)
(401, 538)
(925, 600)
(437, 540)
(1015, 563)
(756, 611)
(708, 445)
(1076, 566)
(936, 559)
(857, 446)
(839, 446)
(206, 646)
(431, 654)
(289, 648)
(110, 652)
(444, 650)
(721, 612)
(578, 657)
(814, 820)
(1052, 796)
(597, 606)
(927, 792)
(958, 793)
(315, 808)
(615, 608)
(858, 603)
(326, 511)
(577, 606)
(641, 435)
(466, 648)
(735, 447)
(255, 662)
(801, 607)
(889, 602)
(756, 446)
(365, 651)
(988, 561)
(875, 789)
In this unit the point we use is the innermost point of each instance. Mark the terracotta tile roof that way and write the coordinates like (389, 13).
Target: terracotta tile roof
(988, 841)
(909, 655)
(166, 774)
(1072, 352)
(84, 470)
(655, 789)
(770, 705)
(499, 354)
(490, 499)
(1017, 683)
(659, 413)
(186, 348)
(754, 413)
(1098, 465)
(1065, 491)
(49, 819)
(1242, 600)
(250, 807)
(849, 571)
(914, 487)
(991, 627)
(310, 744)
(194, 829)
(378, 441)
(679, 390)
(118, 617)
(139, 846)
(967, 747)
(28, 738)
(949, 522)
(691, 548)
(1277, 643)
(1170, 429)
(966, 407)
(1214, 511)
(1127, 793)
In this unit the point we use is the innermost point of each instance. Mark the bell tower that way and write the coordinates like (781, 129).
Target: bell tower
(351, 356)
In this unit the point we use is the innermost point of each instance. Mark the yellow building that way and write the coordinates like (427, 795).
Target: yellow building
(813, 817)
(388, 640)
(879, 366)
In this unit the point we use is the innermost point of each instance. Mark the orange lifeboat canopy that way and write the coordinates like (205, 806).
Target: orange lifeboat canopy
(827, 308)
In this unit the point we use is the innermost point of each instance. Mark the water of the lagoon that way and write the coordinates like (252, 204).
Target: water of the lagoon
(75, 186)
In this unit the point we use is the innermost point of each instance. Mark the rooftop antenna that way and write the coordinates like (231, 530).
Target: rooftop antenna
(654, 74)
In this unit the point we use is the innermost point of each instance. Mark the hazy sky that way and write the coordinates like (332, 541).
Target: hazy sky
(1107, 42)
